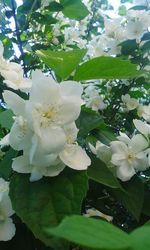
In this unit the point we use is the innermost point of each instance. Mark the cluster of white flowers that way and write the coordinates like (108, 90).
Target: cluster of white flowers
(126, 155)
(45, 129)
(13, 73)
(7, 228)
(93, 99)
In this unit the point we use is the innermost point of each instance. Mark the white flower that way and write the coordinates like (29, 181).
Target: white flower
(7, 228)
(134, 30)
(131, 103)
(50, 107)
(129, 156)
(73, 155)
(13, 74)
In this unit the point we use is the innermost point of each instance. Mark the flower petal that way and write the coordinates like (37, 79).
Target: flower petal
(21, 164)
(7, 230)
(138, 143)
(125, 172)
(14, 102)
(75, 157)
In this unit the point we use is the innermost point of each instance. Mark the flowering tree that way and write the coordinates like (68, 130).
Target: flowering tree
(74, 125)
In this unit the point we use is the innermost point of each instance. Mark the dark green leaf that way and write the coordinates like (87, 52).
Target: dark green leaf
(5, 164)
(91, 233)
(46, 202)
(134, 198)
(63, 63)
(87, 121)
(6, 119)
(106, 68)
(99, 172)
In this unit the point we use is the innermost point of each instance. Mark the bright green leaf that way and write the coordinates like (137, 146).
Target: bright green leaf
(140, 238)
(62, 62)
(46, 202)
(106, 68)
(91, 233)
(74, 9)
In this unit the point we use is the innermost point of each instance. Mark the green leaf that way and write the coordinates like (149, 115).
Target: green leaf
(5, 164)
(62, 62)
(133, 198)
(87, 121)
(74, 9)
(140, 238)
(106, 68)
(99, 172)
(91, 233)
(6, 119)
(46, 202)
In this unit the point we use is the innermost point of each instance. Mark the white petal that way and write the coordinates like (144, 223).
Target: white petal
(75, 157)
(20, 137)
(44, 89)
(142, 127)
(54, 169)
(125, 172)
(6, 206)
(35, 175)
(69, 112)
(71, 132)
(7, 230)
(21, 164)
(124, 138)
(118, 147)
(52, 140)
(5, 141)
(14, 102)
(138, 143)
(71, 89)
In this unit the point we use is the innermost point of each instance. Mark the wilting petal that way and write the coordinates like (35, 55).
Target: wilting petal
(75, 157)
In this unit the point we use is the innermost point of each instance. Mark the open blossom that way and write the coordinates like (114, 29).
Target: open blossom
(44, 128)
(13, 73)
(130, 103)
(93, 99)
(129, 156)
(7, 228)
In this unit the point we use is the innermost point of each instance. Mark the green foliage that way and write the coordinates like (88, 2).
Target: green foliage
(5, 164)
(6, 119)
(74, 9)
(106, 68)
(45, 203)
(91, 233)
(63, 63)
(99, 172)
(87, 121)
(133, 198)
